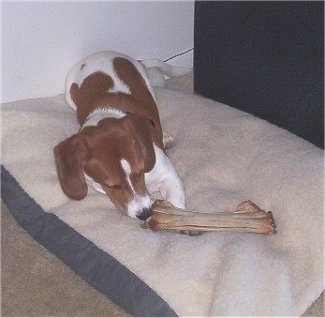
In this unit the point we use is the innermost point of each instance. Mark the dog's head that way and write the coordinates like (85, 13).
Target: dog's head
(116, 154)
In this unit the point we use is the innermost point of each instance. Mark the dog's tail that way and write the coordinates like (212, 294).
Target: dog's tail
(157, 70)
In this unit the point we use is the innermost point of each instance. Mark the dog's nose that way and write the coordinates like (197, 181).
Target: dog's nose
(144, 214)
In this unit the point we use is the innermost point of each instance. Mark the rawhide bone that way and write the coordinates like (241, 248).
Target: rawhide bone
(247, 218)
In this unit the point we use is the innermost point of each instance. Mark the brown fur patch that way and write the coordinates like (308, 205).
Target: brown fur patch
(145, 103)
(92, 88)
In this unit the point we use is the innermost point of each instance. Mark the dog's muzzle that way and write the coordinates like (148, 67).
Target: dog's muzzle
(144, 214)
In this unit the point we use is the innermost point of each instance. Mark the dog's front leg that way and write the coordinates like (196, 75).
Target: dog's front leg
(172, 190)
(168, 140)
(163, 178)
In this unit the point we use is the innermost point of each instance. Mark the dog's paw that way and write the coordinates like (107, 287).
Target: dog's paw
(168, 140)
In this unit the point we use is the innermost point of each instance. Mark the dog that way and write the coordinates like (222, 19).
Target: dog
(119, 149)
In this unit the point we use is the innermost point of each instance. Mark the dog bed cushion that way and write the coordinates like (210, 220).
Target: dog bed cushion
(224, 156)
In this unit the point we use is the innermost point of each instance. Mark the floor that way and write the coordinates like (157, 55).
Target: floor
(35, 283)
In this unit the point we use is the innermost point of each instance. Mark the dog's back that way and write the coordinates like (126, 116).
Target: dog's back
(110, 79)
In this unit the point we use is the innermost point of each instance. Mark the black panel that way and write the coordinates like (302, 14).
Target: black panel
(266, 58)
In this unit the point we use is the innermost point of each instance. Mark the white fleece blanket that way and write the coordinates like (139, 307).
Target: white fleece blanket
(224, 157)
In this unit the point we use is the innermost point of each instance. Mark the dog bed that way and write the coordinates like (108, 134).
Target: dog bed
(224, 156)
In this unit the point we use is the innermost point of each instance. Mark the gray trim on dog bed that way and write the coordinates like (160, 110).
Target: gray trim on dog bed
(96, 267)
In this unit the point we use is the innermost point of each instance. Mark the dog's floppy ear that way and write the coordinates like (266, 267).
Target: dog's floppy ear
(70, 157)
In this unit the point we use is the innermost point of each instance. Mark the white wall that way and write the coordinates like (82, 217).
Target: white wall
(42, 40)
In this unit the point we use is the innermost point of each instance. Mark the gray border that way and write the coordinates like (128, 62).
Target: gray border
(96, 267)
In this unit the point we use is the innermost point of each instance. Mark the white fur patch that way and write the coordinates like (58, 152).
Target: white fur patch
(90, 181)
(138, 202)
(100, 113)
(163, 178)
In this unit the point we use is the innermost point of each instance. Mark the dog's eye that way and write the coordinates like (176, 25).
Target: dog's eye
(115, 186)
(152, 122)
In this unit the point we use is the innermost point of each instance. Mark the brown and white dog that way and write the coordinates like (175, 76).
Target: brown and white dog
(119, 149)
